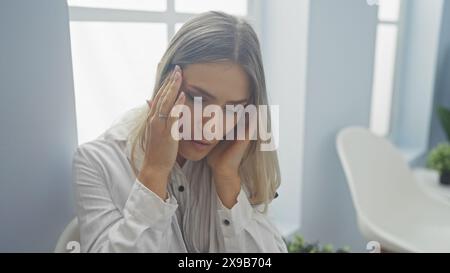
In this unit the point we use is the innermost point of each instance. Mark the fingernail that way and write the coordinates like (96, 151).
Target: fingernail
(177, 68)
(177, 76)
(181, 95)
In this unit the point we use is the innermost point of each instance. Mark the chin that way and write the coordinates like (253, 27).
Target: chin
(192, 151)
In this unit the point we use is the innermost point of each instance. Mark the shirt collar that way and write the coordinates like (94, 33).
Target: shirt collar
(121, 129)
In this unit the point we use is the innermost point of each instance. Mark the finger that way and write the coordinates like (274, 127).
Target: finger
(251, 134)
(222, 146)
(171, 93)
(238, 147)
(168, 94)
(252, 127)
(157, 98)
(247, 127)
(155, 101)
(164, 92)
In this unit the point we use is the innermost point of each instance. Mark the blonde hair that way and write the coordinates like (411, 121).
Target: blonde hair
(214, 37)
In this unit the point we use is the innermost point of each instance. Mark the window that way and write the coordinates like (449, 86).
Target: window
(416, 77)
(116, 46)
(385, 65)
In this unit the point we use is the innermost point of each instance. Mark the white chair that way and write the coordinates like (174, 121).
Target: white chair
(69, 241)
(390, 206)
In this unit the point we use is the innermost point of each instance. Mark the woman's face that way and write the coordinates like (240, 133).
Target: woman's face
(223, 83)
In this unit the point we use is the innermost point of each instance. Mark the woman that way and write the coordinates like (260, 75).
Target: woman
(138, 189)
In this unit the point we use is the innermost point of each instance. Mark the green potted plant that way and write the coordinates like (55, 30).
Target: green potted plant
(439, 160)
(444, 116)
(299, 245)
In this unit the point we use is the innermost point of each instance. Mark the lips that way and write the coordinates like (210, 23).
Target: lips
(203, 142)
(200, 144)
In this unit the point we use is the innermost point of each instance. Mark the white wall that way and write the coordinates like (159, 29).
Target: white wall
(285, 32)
(319, 66)
(37, 121)
(341, 49)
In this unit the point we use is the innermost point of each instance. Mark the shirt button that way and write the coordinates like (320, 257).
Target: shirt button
(181, 188)
(226, 222)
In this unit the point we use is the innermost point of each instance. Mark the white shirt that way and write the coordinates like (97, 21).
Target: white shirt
(117, 213)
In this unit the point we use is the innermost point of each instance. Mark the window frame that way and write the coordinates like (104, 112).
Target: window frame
(169, 16)
(398, 63)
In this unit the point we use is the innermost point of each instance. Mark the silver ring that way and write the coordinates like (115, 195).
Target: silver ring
(160, 115)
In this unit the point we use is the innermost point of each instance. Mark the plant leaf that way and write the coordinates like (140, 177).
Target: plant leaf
(444, 116)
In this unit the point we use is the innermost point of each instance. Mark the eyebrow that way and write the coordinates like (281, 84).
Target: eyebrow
(210, 96)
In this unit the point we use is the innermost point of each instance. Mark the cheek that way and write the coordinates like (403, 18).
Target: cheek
(228, 129)
(235, 118)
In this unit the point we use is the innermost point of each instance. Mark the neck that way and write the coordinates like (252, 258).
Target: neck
(180, 160)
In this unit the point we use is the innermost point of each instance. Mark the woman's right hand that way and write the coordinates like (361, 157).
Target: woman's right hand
(161, 146)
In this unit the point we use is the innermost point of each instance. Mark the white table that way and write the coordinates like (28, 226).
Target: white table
(428, 181)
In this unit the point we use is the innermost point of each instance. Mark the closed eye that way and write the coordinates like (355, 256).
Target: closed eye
(191, 96)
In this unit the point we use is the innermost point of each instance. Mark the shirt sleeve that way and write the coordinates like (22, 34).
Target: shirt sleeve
(104, 228)
(245, 228)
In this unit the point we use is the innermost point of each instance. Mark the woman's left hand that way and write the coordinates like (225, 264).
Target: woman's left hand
(224, 161)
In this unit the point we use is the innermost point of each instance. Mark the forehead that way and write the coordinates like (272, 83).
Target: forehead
(226, 81)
